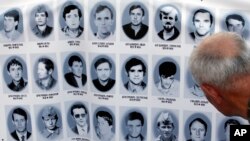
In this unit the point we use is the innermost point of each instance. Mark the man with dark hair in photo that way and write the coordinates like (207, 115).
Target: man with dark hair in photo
(104, 126)
(15, 71)
(169, 17)
(104, 21)
(168, 84)
(227, 125)
(198, 130)
(235, 23)
(50, 118)
(20, 121)
(165, 127)
(10, 26)
(202, 22)
(75, 77)
(136, 71)
(45, 69)
(41, 29)
(103, 69)
(134, 123)
(79, 114)
(72, 16)
(136, 29)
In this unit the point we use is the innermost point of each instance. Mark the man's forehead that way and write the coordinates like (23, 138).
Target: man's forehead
(79, 110)
(9, 17)
(105, 12)
(15, 65)
(19, 115)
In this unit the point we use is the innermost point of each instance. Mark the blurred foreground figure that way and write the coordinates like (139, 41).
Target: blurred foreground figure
(221, 66)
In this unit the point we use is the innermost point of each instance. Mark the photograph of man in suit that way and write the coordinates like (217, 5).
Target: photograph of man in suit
(50, 117)
(103, 69)
(10, 26)
(41, 29)
(202, 22)
(103, 21)
(75, 77)
(169, 17)
(104, 126)
(80, 116)
(15, 71)
(20, 120)
(235, 23)
(135, 124)
(45, 69)
(136, 71)
(72, 16)
(136, 29)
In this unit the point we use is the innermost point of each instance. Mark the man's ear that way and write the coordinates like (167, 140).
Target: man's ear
(212, 93)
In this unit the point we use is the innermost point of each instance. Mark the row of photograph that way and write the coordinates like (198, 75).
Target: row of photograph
(102, 124)
(134, 76)
(135, 19)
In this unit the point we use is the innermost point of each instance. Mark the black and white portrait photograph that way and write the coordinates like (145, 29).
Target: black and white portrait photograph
(236, 21)
(200, 25)
(166, 76)
(41, 22)
(104, 123)
(134, 21)
(49, 122)
(223, 124)
(71, 20)
(103, 73)
(133, 123)
(78, 119)
(74, 69)
(15, 74)
(102, 21)
(167, 23)
(45, 73)
(19, 123)
(11, 27)
(134, 74)
(197, 126)
(165, 125)
(192, 88)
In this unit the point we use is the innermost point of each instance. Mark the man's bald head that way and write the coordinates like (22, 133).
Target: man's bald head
(218, 58)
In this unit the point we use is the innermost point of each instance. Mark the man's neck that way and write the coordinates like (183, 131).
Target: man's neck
(46, 82)
(22, 133)
(17, 82)
(167, 35)
(103, 82)
(136, 28)
(9, 34)
(103, 35)
(42, 27)
(138, 138)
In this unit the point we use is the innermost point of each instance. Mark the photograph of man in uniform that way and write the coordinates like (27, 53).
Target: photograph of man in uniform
(136, 29)
(49, 118)
(80, 116)
(227, 128)
(165, 127)
(15, 71)
(202, 22)
(75, 76)
(168, 84)
(104, 126)
(235, 23)
(103, 69)
(104, 20)
(10, 23)
(134, 125)
(41, 28)
(72, 16)
(45, 68)
(197, 130)
(169, 18)
(136, 71)
(20, 121)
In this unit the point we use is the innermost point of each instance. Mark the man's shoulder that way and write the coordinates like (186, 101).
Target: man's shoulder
(126, 26)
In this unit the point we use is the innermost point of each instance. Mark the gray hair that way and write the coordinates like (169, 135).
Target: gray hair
(214, 67)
